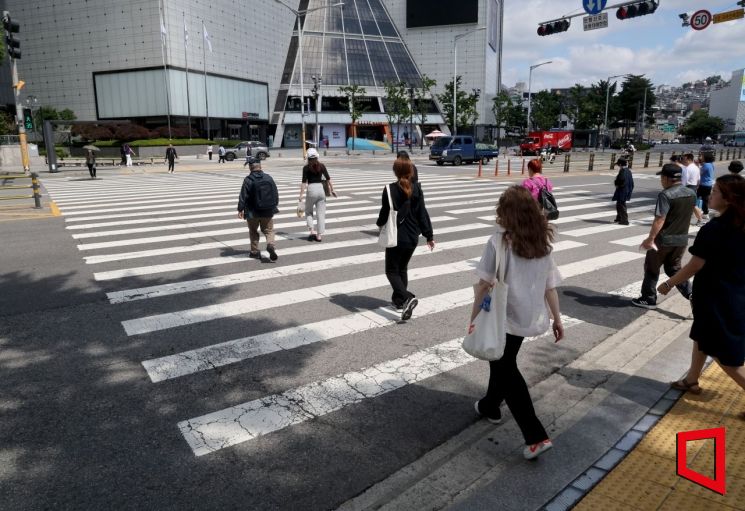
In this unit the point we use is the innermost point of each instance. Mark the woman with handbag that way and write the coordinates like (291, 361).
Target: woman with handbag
(536, 180)
(412, 219)
(522, 245)
(318, 185)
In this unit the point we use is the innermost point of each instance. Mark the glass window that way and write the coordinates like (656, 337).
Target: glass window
(359, 65)
(312, 58)
(407, 71)
(351, 20)
(382, 66)
(366, 18)
(333, 21)
(290, 62)
(384, 22)
(335, 66)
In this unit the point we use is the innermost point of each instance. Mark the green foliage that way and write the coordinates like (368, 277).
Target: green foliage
(397, 105)
(711, 80)
(422, 101)
(545, 109)
(700, 125)
(7, 124)
(151, 142)
(510, 115)
(631, 99)
(353, 93)
(465, 104)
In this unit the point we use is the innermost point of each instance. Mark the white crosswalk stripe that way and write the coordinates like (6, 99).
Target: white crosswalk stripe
(164, 284)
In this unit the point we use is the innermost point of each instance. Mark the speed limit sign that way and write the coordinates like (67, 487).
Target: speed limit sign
(700, 19)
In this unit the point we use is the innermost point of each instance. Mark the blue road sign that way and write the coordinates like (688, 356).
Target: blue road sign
(594, 6)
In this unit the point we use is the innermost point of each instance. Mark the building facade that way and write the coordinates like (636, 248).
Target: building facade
(229, 68)
(729, 104)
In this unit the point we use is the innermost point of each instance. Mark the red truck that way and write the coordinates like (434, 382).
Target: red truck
(537, 140)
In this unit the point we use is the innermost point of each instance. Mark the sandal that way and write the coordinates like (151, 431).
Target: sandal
(683, 385)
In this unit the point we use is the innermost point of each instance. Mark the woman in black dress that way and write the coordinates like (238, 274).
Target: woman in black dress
(718, 298)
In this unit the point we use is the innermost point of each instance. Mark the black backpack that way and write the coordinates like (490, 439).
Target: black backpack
(547, 200)
(262, 193)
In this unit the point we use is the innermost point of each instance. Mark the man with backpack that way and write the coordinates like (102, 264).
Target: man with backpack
(257, 204)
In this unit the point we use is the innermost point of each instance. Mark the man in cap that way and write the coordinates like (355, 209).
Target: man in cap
(624, 183)
(735, 167)
(668, 236)
(257, 204)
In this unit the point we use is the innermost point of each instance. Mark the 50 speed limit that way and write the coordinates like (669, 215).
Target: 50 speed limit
(700, 19)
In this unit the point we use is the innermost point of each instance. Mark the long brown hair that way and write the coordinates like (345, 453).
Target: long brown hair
(315, 166)
(404, 170)
(732, 188)
(526, 226)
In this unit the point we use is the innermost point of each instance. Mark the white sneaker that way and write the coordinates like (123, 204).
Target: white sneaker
(531, 452)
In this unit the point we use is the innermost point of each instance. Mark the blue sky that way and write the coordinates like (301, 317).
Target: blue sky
(655, 45)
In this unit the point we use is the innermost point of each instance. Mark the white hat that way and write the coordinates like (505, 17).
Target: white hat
(708, 139)
(312, 153)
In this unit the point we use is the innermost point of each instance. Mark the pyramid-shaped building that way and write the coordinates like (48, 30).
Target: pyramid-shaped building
(356, 43)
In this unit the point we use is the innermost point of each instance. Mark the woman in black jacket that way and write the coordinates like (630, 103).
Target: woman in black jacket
(413, 220)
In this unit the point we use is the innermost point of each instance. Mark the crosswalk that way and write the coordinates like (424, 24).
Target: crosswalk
(172, 258)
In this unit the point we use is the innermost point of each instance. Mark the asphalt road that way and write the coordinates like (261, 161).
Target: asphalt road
(148, 363)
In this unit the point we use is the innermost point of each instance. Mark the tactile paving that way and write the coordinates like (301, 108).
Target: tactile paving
(647, 478)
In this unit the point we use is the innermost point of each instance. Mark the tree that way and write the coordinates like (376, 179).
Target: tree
(48, 113)
(397, 108)
(700, 124)
(545, 109)
(128, 132)
(7, 124)
(632, 101)
(446, 101)
(469, 114)
(356, 109)
(509, 114)
(711, 80)
(422, 103)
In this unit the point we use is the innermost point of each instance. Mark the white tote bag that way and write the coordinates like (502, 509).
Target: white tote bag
(487, 335)
(389, 232)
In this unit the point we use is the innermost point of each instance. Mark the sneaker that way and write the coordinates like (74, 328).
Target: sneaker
(254, 255)
(272, 252)
(623, 223)
(531, 452)
(493, 420)
(644, 303)
(397, 307)
(408, 309)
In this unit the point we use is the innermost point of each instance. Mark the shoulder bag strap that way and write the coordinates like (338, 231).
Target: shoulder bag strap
(390, 199)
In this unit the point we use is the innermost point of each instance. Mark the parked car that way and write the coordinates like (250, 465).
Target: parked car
(675, 141)
(258, 150)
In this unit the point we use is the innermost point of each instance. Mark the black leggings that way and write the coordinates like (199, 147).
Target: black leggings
(506, 383)
(397, 270)
(703, 193)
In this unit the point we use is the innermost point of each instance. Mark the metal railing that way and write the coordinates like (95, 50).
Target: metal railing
(9, 140)
(34, 187)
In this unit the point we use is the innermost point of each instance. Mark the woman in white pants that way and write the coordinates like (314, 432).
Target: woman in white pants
(312, 187)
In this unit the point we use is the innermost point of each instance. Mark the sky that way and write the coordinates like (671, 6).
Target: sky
(654, 45)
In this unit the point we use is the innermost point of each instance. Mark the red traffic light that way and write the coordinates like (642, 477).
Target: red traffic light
(636, 9)
(553, 28)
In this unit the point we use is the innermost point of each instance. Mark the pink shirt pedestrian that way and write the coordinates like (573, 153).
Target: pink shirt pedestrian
(535, 183)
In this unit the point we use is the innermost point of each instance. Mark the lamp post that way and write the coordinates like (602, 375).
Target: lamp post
(299, 15)
(411, 118)
(316, 94)
(607, 97)
(455, 74)
(530, 85)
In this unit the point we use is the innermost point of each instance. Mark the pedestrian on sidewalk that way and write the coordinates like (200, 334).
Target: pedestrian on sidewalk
(718, 298)
(209, 152)
(221, 154)
(123, 154)
(532, 277)
(412, 220)
(735, 167)
(249, 157)
(313, 189)
(668, 236)
(171, 158)
(257, 204)
(90, 161)
(535, 180)
(624, 184)
(128, 152)
(706, 183)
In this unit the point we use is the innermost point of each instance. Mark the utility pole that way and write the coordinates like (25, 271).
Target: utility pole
(316, 94)
(13, 47)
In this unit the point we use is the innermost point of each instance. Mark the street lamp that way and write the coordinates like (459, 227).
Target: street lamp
(298, 16)
(607, 97)
(411, 118)
(530, 85)
(316, 93)
(455, 74)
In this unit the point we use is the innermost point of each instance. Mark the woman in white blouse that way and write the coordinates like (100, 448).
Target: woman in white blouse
(532, 277)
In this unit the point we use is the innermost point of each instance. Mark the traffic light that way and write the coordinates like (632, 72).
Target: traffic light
(13, 45)
(553, 28)
(636, 9)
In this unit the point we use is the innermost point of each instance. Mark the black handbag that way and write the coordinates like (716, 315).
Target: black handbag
(548, 202)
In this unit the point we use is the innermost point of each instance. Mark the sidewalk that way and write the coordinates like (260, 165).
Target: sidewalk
(596, 410)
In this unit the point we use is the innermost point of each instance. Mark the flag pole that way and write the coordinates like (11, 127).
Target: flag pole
(163, 34)
(204, 61)
(186, 63)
